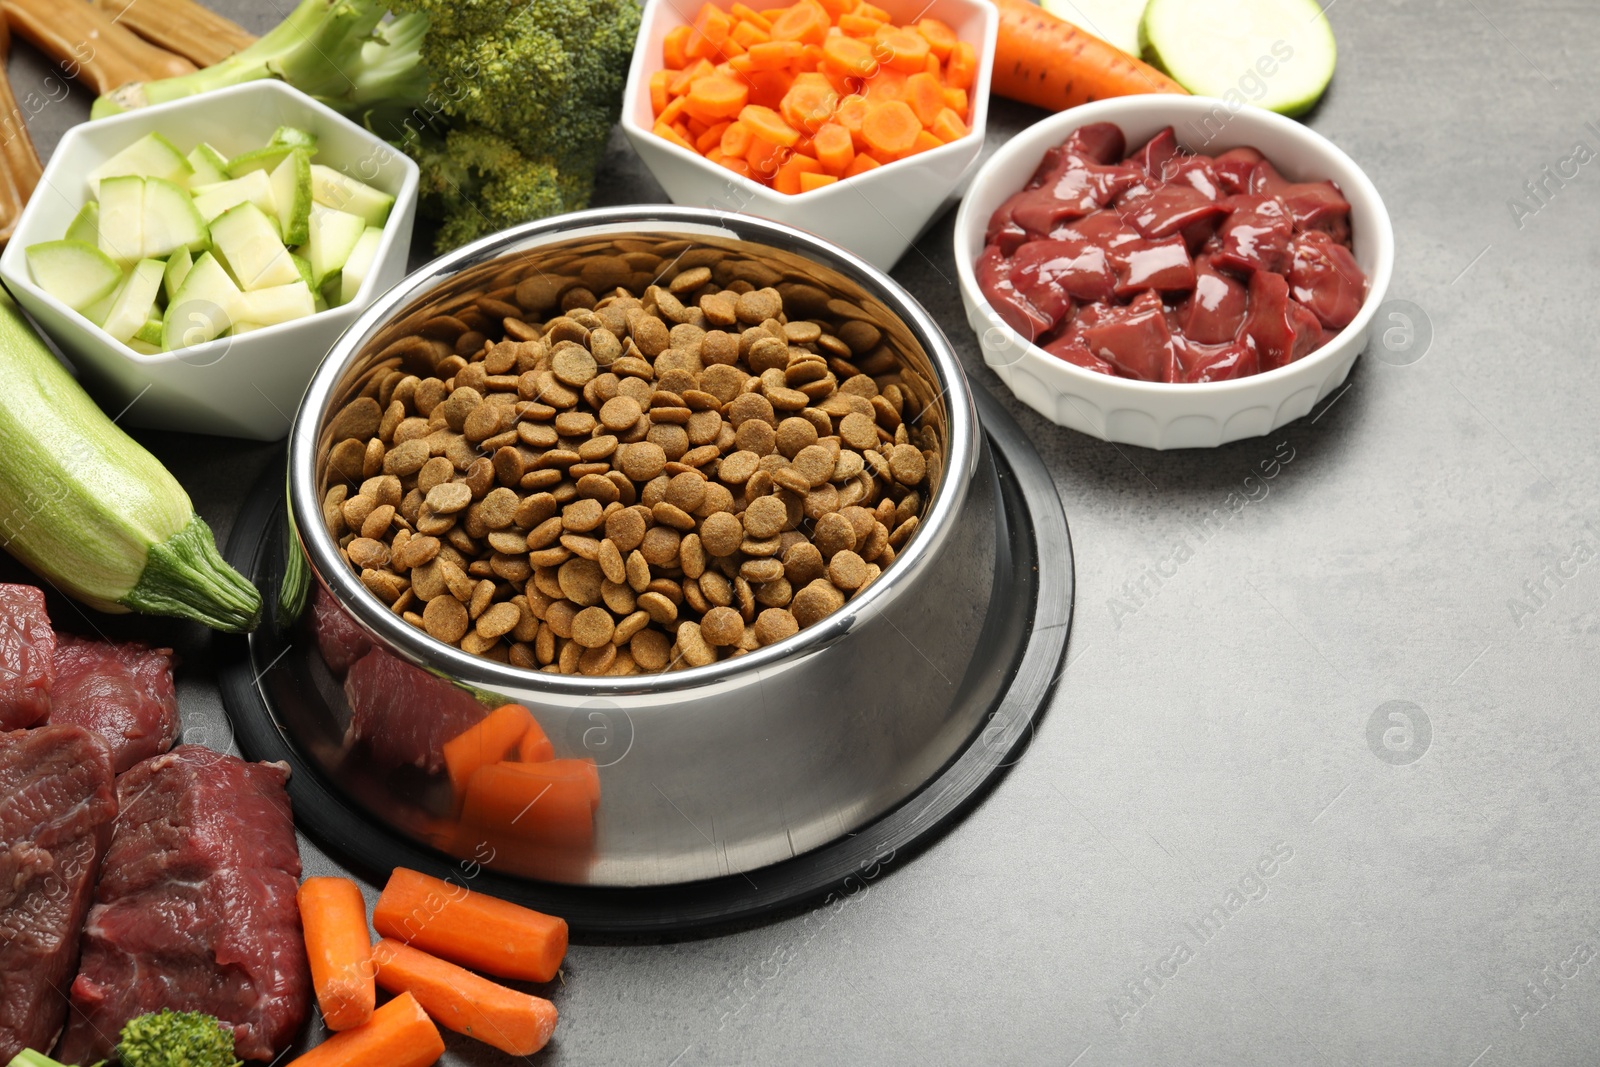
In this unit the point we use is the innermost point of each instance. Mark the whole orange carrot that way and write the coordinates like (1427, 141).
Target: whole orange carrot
(399, 1034)
(340, 949)
(459, 1000)
(472, 929)
(1041, 60)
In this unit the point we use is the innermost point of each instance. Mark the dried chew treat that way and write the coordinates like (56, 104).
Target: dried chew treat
(677, 470)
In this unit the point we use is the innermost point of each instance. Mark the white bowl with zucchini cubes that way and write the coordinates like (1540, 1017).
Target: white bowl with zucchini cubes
(196, 260)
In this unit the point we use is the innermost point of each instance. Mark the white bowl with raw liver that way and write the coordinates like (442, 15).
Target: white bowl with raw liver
(241, 342)
(878, 214)
(1213, 406)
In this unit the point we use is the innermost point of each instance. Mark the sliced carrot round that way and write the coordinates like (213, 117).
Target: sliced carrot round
(940, 37)
(908, 50)
(768, 125)
(890, 127)
(806, 22)
(719, 97)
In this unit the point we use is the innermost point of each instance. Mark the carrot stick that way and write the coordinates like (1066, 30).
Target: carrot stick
(340, 950)
(472, 929)
(549, 803)
(459, 1000)
(490, 740)
(1041, 60)
(399, 1034)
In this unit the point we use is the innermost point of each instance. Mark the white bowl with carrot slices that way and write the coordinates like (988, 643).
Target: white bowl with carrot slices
(855, 120)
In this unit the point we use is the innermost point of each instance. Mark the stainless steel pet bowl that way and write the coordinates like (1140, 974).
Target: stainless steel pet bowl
(714, 770)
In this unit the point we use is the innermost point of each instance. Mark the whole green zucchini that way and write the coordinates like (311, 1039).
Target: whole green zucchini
(86, 508)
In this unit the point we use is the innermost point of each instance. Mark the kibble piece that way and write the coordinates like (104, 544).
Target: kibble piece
(848, 571)
(907, 465)
(722, 626)
(499, 620)
(833, 534)
(582, 515)
(765, 517)
(815, 602)
(642, 461)
(651, 649)
(620, 413)
(775, 624)
(721, 534)
(447, 498)
(593, 627)
(445, 618)
(692, 645)
(858, 431)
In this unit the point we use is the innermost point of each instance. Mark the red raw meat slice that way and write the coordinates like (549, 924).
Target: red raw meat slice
(57, 803)
(1326, 279)
(123, 692)
(1136, 340)
(27, 650)
(1071, 349)
(196, 909)
(1308, 332)
(1268, 324)
(1255, 237)
(1162, 265)
(403, 714)
(1214, 313)
(1071, 268)
(994, 279)
(1169, 209)
(1098, 142)
(1219, 363)
(1153, 156)
(1233, 169)
(340, 638)
(1312, 205)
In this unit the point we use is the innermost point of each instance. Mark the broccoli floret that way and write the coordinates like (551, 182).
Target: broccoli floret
(474, 183)
(342, 52)
(542, 86)
(176, 1039)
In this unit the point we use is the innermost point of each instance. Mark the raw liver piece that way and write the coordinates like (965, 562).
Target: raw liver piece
(404, 714)
(57, 803)
(123, 692)
(27, 648)
(195, 910)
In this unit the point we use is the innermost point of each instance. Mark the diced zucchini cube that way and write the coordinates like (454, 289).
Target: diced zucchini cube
(341, 192)
(247, 242)
(203, 308)
(151, 156)
(171, 221)
(74, 272)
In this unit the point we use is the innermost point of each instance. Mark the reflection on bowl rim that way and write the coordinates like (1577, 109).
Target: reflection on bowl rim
(396, 634)
(1109, 110)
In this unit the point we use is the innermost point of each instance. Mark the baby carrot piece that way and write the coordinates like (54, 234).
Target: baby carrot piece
(459, 1000)
(860, 165)
(806, 22)
(963, 66)
(809, 181)
(850, 55)
(924, 96)
(674, 48)
(774, 54)
(671, 134)
(807, 105)
(748, 34)
(750, 15)
(890, 127)
(489, 741)
(340, 950)
(658, 90)
(948, 126)
(767, 124)
(472, 929)
(399, 1034)
(908, 50)
(787, 180)
(853, 25)
(940, 37)
(718, 96)
(833, 147)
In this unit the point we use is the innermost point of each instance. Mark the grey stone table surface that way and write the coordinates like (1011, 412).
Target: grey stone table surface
(1226, 844)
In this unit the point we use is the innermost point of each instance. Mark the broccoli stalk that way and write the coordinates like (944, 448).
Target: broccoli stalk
(340, 51)
(166, 1039)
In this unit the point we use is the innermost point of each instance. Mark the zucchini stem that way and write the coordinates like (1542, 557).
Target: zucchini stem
(186, 576)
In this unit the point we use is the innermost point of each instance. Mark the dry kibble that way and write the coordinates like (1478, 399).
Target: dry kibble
(593, 627)
(602, 480)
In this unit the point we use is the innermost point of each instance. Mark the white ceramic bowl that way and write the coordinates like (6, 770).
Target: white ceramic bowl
(876, 215)
(247, 386)
(1157, 414)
